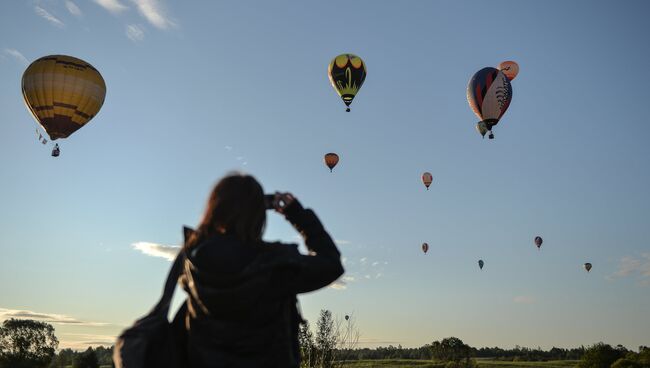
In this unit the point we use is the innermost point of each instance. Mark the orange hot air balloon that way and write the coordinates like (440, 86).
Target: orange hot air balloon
(425, 248)
(427, 178)
(509, 68)
(331, 159)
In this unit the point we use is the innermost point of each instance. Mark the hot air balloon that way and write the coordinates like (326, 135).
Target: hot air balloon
(489, 93)
(509, 68)
(427, 178)
(347, 317)
(63, 94)
(425, 248)
(587, 266)
(480, 263)
(347, 73)
(331, 159)
(538, 241)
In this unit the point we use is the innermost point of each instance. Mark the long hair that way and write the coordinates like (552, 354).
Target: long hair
(235, 207)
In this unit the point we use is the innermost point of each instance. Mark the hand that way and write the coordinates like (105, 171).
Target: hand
(282, 201)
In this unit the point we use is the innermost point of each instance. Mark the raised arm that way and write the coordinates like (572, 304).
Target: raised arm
(322, 265)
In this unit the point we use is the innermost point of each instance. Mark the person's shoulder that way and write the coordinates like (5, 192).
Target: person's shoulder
(280, 248)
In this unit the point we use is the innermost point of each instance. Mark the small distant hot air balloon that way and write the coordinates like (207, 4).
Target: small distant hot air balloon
(538, 241)
(63, 94)
(587, 266)
(510, 69)
(347, 73)
(425, 248)
(347, 317)
(427, 178)
(331, 159)
(489, 93)
(480, 263)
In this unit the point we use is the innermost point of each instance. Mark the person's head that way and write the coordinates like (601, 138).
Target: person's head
(235, 207)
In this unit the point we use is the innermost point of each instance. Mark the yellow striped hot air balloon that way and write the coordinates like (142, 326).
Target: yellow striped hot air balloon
(63, 93)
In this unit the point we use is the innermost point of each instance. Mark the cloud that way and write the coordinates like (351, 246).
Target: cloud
(342, 283)
(341, 242)
(134, 32)
(168, 252)
(73, 8)
(83, 341)
(59, 319)
(371, 341)
(375, 264)
(154, 12)
(16, 55)
(635, 266)
(113, 6)
(523, 299)
(49, 17)
(228, 148)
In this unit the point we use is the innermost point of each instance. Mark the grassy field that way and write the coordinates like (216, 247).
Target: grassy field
(482, 363)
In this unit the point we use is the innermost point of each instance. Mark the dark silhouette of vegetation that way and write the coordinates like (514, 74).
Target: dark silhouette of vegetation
(87, 359)
(602, 355)
(26, 344)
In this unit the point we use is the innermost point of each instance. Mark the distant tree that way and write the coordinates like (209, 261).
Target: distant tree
(451, 349)
(87, 359)
(26, 343)
(601, 355)
(63, 359)
(325, 340)
(104, 355)
(307, 346)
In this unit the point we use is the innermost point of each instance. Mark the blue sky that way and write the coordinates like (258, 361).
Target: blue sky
(199, 88)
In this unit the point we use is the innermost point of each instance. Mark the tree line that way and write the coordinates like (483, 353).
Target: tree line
(32, 344)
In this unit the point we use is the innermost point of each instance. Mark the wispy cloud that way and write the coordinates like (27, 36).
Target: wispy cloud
(635, 266)
(168, 252)
(49, 17)
(73, 8)
(340, 242)
(341, 283)
(371, 341)
(155, 13)
(523, 299)
(16, 55)
(83, 341)
(113, 6)
(59, 319)
(134, 32)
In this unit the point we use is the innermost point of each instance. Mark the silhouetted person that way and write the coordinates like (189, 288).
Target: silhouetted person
(241, 309)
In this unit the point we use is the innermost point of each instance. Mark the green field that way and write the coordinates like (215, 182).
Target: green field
(482, 363)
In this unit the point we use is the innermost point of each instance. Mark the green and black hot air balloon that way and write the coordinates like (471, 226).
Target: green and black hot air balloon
(347, 73)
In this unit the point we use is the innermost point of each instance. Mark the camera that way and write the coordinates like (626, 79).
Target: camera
(268, 201)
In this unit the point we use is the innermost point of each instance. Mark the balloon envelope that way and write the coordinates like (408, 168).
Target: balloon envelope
(480, 263)
(587, 266)
(538, 241)
(347, 73)
(489, 94)
(347, 317)
(425, 247)
(427, 178)
(331, 159)
(63, 93)
(509, 68)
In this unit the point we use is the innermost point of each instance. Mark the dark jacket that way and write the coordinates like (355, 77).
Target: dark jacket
(241, 309)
